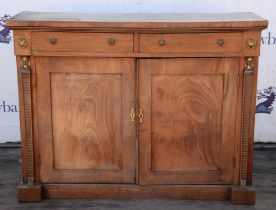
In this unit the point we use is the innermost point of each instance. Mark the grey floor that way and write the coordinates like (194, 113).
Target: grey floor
(264, 181)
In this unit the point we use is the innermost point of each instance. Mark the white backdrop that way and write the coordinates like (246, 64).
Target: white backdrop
(265, 118)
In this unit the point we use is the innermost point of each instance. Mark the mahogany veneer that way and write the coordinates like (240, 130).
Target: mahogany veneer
(137, 105)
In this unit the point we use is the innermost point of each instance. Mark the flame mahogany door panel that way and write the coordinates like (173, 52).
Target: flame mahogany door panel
(187, 135)
(84, 130)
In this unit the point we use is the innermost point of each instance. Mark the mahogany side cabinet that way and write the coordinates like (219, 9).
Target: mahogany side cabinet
(137, 105)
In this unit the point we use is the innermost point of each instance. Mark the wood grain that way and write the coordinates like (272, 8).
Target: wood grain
(84, 129)
(187, 135)
(35, 122)
(243, 196)
(26, 122)
(29, 193)
(186, 122)
(26, 82)
(249, 83)
(22, 120)
(82, 42)
(236, 159)
(143, 55)
(252, 123)
(255, 35)
(91, 106)
(197, 42)
(26, 34)
(248, 79)
(75, 104)
(230, 21)
(103, 191)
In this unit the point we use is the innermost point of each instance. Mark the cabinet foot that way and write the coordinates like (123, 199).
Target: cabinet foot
(245, 195)
(29, 193)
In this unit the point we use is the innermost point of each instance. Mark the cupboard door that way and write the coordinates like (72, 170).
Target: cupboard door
(188, 131)
(85, 134)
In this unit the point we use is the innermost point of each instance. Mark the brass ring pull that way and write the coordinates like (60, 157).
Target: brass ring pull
(53, 40)
(111, 41)
(162, 42)
(220, 42)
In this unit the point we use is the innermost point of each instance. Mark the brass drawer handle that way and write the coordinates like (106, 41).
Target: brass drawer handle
(111, 41)
(140, 116)
(22, 42)
(53, 40)
(132, 114)
(220, 42)
(162, 42)
(251, 43)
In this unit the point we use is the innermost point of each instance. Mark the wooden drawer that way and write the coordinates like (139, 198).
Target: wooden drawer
(82, 42)
(203, 42)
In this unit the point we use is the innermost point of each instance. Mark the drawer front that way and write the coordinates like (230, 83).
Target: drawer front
(82, 42)
(203, 42)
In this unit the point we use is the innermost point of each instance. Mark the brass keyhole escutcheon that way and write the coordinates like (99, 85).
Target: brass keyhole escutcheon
(132, 114)
(140, 116)
(162, 42)
(220, 42)
(22, 42)
(111, 41)
(251, 43)
(53, 40)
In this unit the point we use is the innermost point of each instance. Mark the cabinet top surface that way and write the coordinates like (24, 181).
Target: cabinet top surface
(136, 20)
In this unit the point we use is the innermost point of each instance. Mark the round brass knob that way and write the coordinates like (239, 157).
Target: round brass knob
(162, 42)
(251, 43)
(22, 42)
(220, 42)
(111, 41)
(53, 40)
